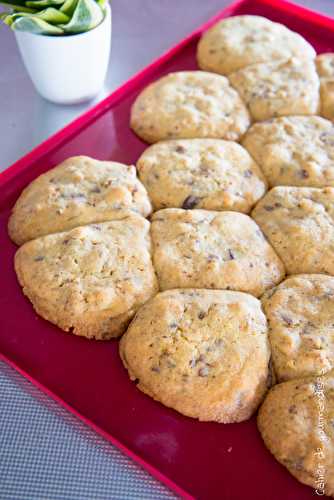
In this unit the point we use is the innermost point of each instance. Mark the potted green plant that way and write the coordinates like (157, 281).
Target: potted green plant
(65, 45)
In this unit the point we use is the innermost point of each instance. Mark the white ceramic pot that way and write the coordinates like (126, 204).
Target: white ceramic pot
(68, 69)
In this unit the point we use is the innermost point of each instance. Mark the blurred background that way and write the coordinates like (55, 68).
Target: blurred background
(142, 30)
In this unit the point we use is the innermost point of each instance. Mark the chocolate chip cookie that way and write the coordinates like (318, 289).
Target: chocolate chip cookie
(278, 88)
(204, 353)
(300, 313)
(293, 150)
(79, 191)
(201, 173)
(90, 280)
(238, 41)
(296, 424)
(299, 223)
(207, 249)
(189, 104)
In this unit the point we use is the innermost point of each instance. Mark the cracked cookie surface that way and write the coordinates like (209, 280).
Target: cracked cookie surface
(300, 313)
(79, 191)
(92, 279)
(201, 173)
(299, 223)
(296, 424)
(293, 150)
(207, 249)
(239, 41)
(278, 88)
(204, 353)
(189, 104)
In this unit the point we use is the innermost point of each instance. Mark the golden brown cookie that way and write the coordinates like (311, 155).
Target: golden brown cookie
(278, 88)
(79, 191)
(206, 249)
(293, 150)
(90, 280)
(201, 173)
(300, 313)
(325, 68)
(204, 353)
(299, 223)
(238, 41)
(296, 424)
(189, 104)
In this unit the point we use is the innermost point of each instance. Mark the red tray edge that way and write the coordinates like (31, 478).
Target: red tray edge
(82, 121)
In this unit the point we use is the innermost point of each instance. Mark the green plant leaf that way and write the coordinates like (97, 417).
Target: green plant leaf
(36, 25)
(86, 16)
(68, 7)
(7, 19)
(37, 4)
(17, 5)
(50, 15)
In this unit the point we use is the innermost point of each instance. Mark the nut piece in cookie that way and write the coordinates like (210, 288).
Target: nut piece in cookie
(296, 424)
(238, 41)
(91, 280)
(325, 68)
(300, 313)
(278, 88)
(207, 249)
(201, 173)
(79, 191)
(293, 150)
(299, 223)
(189, 104)
(204, 353)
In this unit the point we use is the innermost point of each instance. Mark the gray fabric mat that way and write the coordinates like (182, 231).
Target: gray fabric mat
(48, 454)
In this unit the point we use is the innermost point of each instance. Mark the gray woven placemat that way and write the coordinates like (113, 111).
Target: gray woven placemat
(48, 454)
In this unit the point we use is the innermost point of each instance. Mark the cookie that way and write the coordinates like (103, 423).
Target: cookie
(294, 150)
(299, 223)
(236, 42)
(189, 104)
(207, 249)
(325, 68)
(204, 173)
(204, 353)
(278, 88)
(90, 280)
(296, 424)
(79, 191)
(300, 313)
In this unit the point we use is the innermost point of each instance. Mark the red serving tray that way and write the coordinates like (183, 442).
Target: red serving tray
(201, 460)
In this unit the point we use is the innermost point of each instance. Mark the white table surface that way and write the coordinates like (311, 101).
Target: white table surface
(45, 453)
